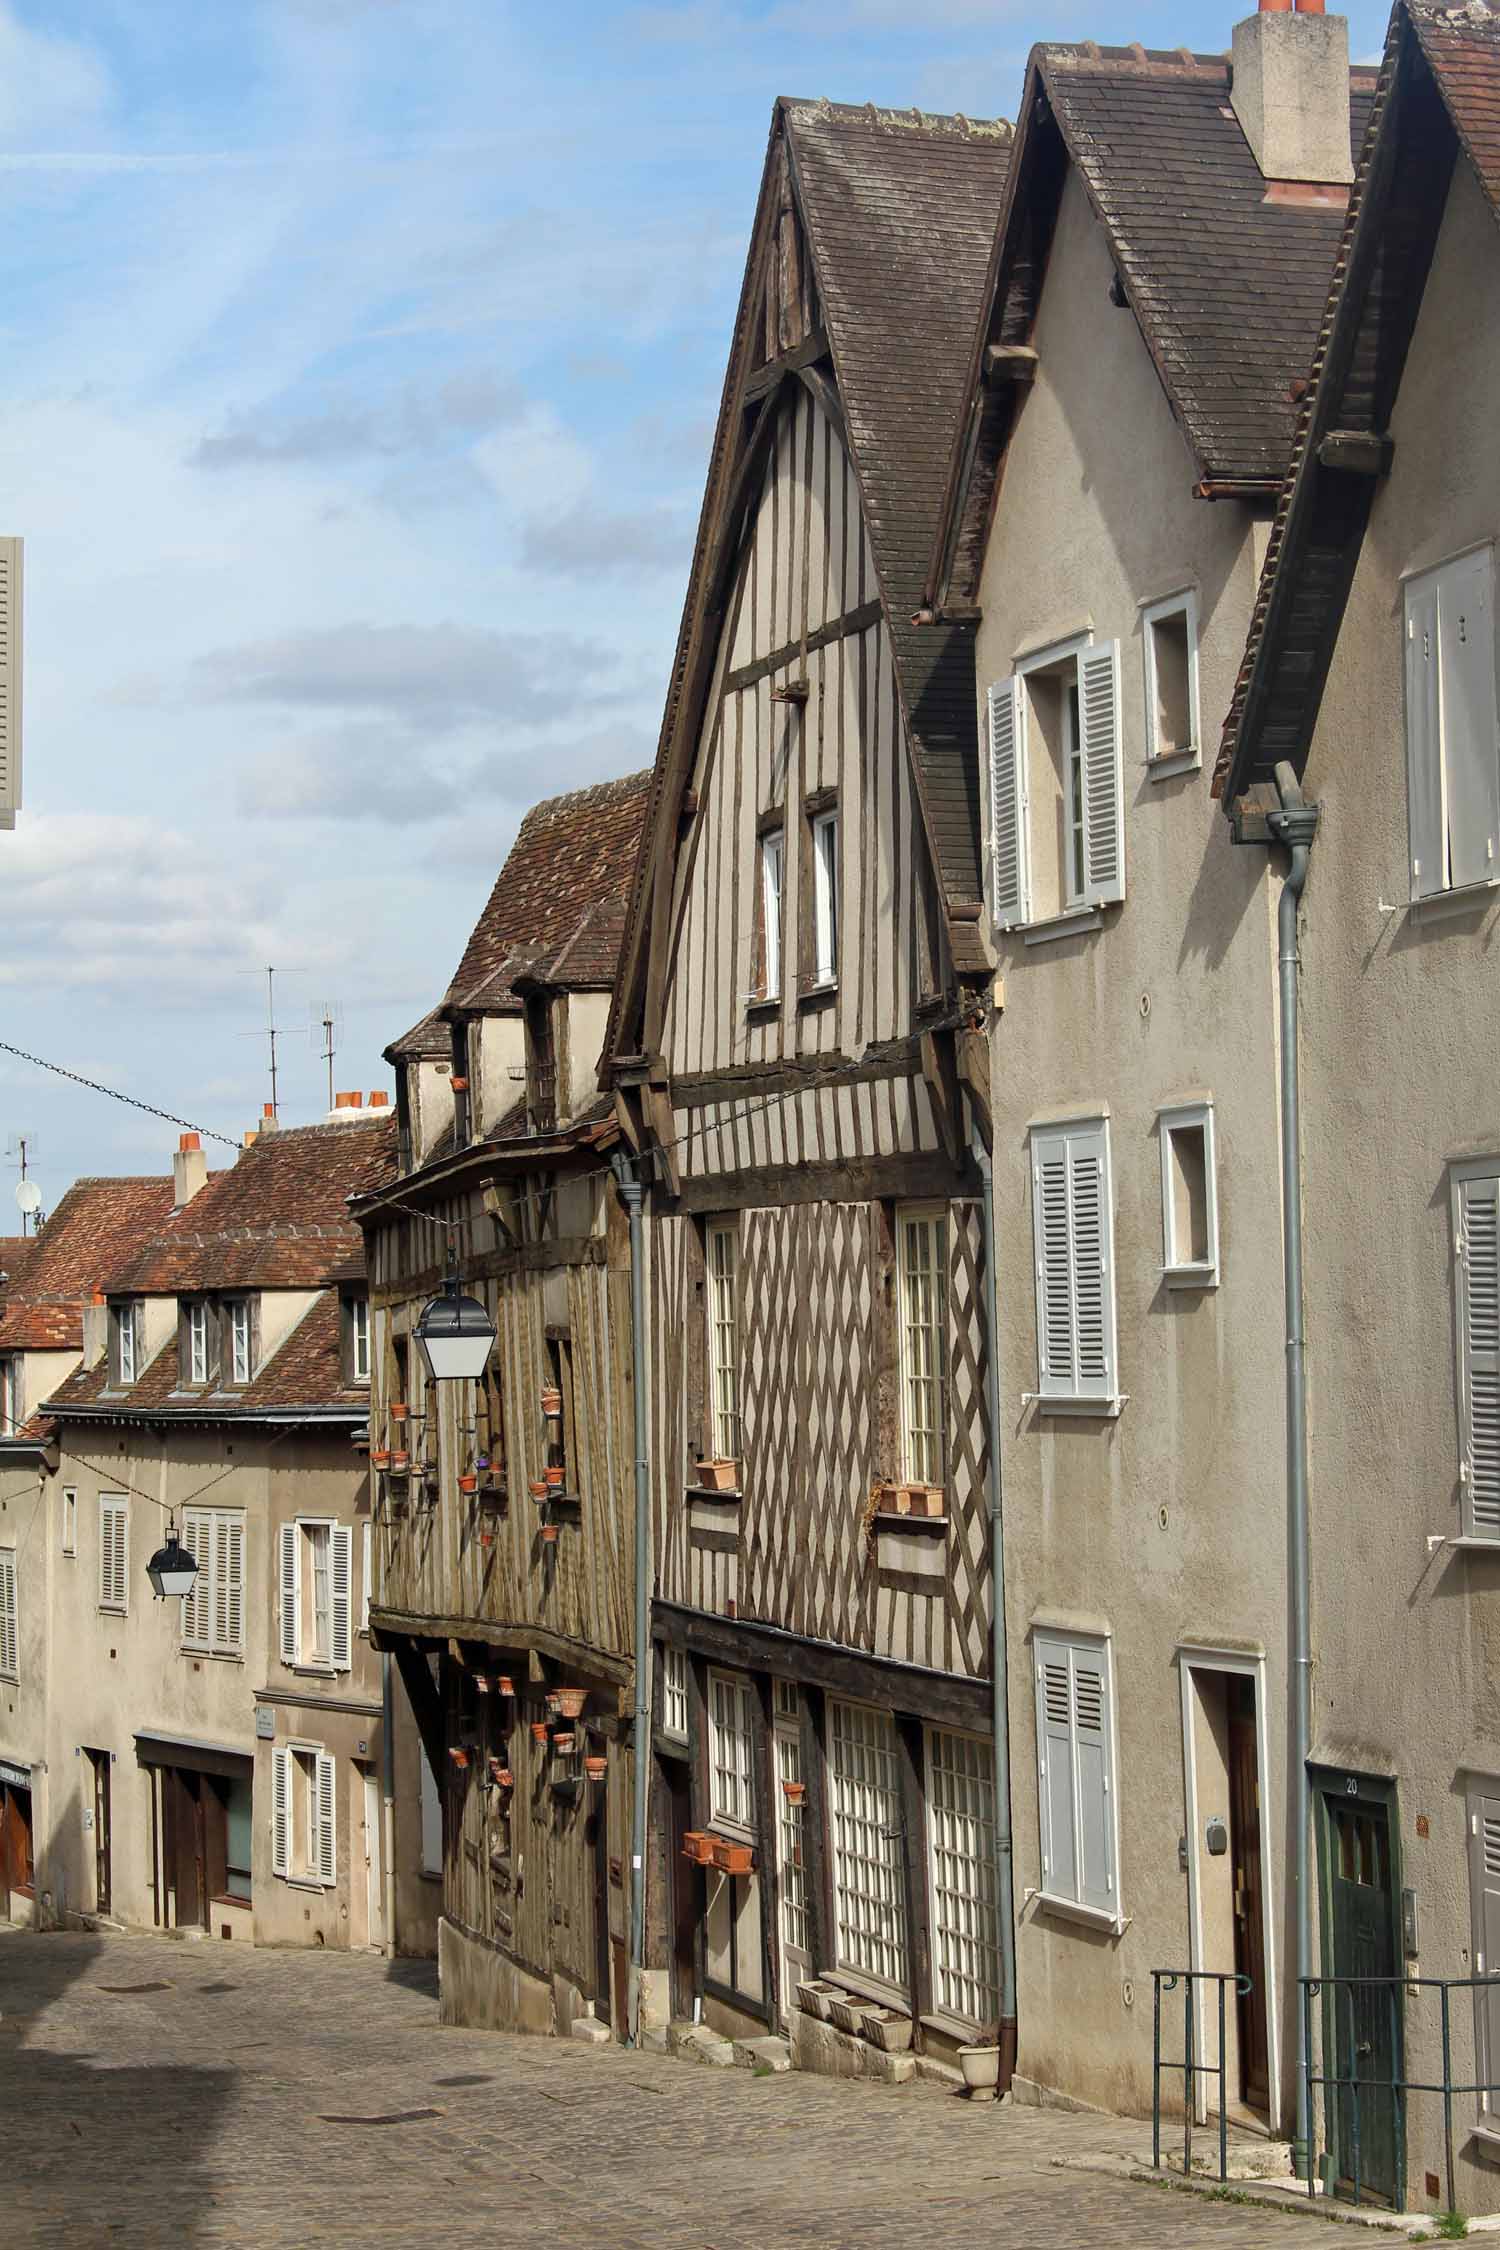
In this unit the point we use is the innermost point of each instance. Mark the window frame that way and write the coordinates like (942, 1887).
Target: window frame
(231, 1647)
(935, 1216)
(1107, 1398)
(112, 1504)
(1483, 1790)
(674, 1691)
(195, 1316)
(731, 1819)
(724, 1420)
(1178, 1272)
(1080, 902)
(1100, 1646)
(127, 1324)
(826, 899)
(10, 1617)
(70, 1521)
(12, 1393)
(770, 913)
(1486, 1168)
(359, 1341)
(1162, 764)
(295, 1765)
(890, 1870)
(237, 1315)
(1414, 586)
(297, 1593)
(981, 1894)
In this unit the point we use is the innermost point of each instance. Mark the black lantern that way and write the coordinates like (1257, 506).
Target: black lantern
(172, 1570)
(456, 1334)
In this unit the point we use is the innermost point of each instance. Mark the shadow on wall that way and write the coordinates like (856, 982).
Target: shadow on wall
(115, 2147)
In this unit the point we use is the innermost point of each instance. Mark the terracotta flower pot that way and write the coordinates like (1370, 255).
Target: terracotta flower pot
(571, 1700)
(719, 1476)
(553, 1701)
(731, 1858)
(502, 1776)
(549, 1534)
(399, 1464)
(554, 1476)
(460, 1757)
(564, 1743)
(398, 1410)
(506, 1684)
(486, 1539)
(380, 1457)
(538, 1730)
(459, 1085)
(482, 1682)
(795, 1791)
(596, 1768)
(469, 1483)
(551, 1401)
(538, 1489)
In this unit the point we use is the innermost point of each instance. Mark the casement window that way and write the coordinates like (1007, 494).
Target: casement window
(316, 1594)
(241, 1362)
(722, 1260)
(674, 1692)
(1189, 1196)
(213, 1614)
(869, 1879)
(114, 1551)
(359, 1339)
(1169, 651)
(9, 1623)
(731, 1751)
(1075, 1726)
(12, 1395)
(1057, 836)
(1452, 733)
(961, 1865)
(70, 1519)
(922, 1269)
(1073, 1227)
(1484, 1910)
(771, 851)
(128, 1330)
(1476, 1246)
(304, 1846)
(825, 898)
(197, 1341)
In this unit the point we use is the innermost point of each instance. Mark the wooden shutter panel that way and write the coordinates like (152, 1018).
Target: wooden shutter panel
(1101, 762)
(1054, 1265)
(1471, 755)
(1054, 1756)
(1010, 887)
(10, 681)
(195, 1604)
(1478, 1233)
(235, 1582)
(327, 1861)
(1093, 1276)
(1424, 777)
(281, 1809)
(1484, 1894)
(341, 1565)
(220, 1617)
(367, 1572)
(8, 1623)
(1093, 1772)
(290, 1588)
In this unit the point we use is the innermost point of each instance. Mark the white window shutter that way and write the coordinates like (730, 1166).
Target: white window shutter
(1057, 1366)
(1093, 1263)
(1010, 886)
(10, 681)
(1101, 764)
(195, 1604)
(9, 1633)
(290, 1589)
(220, 1615)
(1471, 752)
(235, 1582)
(1424, 762)
(327, 1862)
(341, 1563)
(1478, 1232)
(1484, 1887)
(281, 1809)
(1054, 1754)
(1093, 1764)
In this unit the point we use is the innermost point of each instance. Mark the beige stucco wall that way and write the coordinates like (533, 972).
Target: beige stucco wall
(1400, 1019)
(588, 1020)
(501, 1041)
(1163, 1526)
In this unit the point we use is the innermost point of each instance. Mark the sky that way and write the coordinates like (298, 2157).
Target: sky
(358, 367)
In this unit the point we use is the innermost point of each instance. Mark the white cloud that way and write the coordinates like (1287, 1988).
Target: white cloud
(48, 83)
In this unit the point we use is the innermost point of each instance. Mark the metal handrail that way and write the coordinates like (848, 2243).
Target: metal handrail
(1167, 1980)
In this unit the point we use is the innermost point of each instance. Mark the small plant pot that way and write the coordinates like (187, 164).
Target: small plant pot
(486, 1539)
(551, 1401)
(794, 1791)
(922, 1499)
(549, 1535)
(553, 1474)
(731, 1858)
(398, 1410)
(719, 1476)
(538, 1488)
(459, 1085)
(502, 1776)
(815, 1998)
(887, 2029)
(596, 1768)
(571, 1700)
(981, 2069)
(505, 1684)
(553, 1701)
(468, 1483)
(482, 1682)
(698, 1846)
(460, 1758)
(539, 1730)
(564, 1743)
(380, 1457)
(400, 1465)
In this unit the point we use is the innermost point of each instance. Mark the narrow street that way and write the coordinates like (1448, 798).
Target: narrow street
(157, 2091)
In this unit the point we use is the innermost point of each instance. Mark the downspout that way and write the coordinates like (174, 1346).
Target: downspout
(1295, 824)
(632, 1194)
(388, 1789)
(999, 1645)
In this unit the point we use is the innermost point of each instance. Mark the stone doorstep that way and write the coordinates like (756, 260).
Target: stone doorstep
(1283, 2195)
(763, 2054)
(694, 2042)
(590, 2030)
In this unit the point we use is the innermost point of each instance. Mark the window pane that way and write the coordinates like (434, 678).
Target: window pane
(868, 1878)
(923, 1262)
(1171, 716)
(961, 1804)
(825, 896)
(794, 1923)
(723, 1342)
(730, 1750)
(674, 1717)
(322, 1607)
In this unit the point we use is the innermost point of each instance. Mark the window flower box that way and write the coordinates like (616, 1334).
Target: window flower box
(698, 1846)
(816, 1998)
(718, 1476)
(887, 2029)
(732, 1858)
(847, 2014)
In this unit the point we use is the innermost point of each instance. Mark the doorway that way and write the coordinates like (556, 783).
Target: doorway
(1362, 2027)
(791, 1868)
(374, 1877)
(17, 1878)
(1227, 1849)
(685, 1883)
(99, 1761)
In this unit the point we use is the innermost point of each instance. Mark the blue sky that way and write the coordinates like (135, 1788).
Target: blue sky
(358, 361)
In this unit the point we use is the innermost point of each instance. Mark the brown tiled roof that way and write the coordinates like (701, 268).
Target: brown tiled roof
(427, 1041)
(1462, 46)
(15, 1249)
(306, 1370)
(94, 1227)
(558, 905)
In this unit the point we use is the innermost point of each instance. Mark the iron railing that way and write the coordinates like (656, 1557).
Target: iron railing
(1167, 1980)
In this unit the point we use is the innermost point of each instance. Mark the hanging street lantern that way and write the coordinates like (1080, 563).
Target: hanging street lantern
(456, 1334)
(172, 1570)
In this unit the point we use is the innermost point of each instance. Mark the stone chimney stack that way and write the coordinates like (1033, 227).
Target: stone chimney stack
(1290, 90)
(189, 1170)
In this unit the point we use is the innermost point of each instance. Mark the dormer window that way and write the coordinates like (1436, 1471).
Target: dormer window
(11, 1401)
(359, 1339)
(197, 1335)
(127, 1322)
(240, 1358)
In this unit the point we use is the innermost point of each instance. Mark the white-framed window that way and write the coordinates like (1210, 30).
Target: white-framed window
(786, 1700)
(1483, 1807)
(70, 1519)
(10, 1635)
(825, 888)
(869, 1881)
(1056, 831)
(304, 1787)
(213, 1614)
(239, 1340)
(1189, 1196)
(197, 1333)
(359, 1338)
(1169, 660)
(1452, 733)
(1476, 1247)
(674, 1692)
(772, 852)
(1073, 1229)
(12, 1395)
(114, 1551)
(128, 1322)
(316, 1594)
(961, 1866)
(731, 1751)
(722, 1247)
(922, 1270)
(1075, 1747)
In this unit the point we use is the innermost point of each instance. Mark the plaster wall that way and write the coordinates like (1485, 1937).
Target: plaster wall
(501, 1041)
(41, 1374)
(27, 1527)
(430, 1092)
(1164, 1525)
(588, 1020)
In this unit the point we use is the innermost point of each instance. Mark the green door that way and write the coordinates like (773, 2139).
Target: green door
(1362, 2022)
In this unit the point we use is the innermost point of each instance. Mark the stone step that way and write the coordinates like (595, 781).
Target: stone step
(590, 2030)
(694, 2042)
(763, 2054)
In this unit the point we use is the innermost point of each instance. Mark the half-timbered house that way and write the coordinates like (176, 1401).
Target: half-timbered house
(791, 1051)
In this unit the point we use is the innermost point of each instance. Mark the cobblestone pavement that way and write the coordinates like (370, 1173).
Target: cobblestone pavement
(153, 2090)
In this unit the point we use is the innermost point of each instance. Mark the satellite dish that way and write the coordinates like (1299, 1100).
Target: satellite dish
(29, 1197)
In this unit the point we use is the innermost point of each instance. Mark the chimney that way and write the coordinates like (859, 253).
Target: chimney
(1290, 89)
(189, 1170)
(95, 1329)
(269, 1121)
(347, 1109)
(379, 1099)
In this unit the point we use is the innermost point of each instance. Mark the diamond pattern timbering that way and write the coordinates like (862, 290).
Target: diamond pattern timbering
(968, 1606)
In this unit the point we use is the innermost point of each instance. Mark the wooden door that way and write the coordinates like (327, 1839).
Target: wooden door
(190, 1871)
(99, 1760)
(15, 1838)
(1249, 1896)
(685, 1886)
(1361, 1940)
(599, 1837)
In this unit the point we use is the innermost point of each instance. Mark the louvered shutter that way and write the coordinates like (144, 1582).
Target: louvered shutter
(1477, 1229)
(327, 1862)
(1100, 764)
(341, 1564)
(1092, 1764)
(1010, 883)
(9, 1628)
(10, 681)
(1424, 766)
(281, 1809)
(219, 1526)
(1054, 1755)
(1054, 1265)
(1093, 1279)
(122, 1555)
(234, 1579)
(195, 1604)
(290, 1588)
(1484, 1887)
(1471, 755)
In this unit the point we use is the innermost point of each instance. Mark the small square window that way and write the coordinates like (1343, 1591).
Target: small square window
(1169, 636)
(1189, 1197)
(674, 1693)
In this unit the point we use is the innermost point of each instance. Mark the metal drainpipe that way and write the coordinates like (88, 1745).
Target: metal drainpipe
(999, 1645)
(1295, 824)
(388, 1791)
(632, 1194)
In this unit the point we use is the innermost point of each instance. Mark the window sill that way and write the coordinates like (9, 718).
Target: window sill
(1468, 898)
(304, 1883)
(1176, 762)
(1092, 1409)
(1190, 1277)
(219, 1655)
(314, 1671)
(1095, 1917)
(713, 1492)
(768, 1005)
(1074, 923)
(950, 2027)
(1487, 2133)
(1473, 1543)
(862, 1987)
(818, 995)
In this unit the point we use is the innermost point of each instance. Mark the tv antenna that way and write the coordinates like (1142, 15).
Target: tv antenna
(326, 1031)
(21, 1148)
(270, 1034)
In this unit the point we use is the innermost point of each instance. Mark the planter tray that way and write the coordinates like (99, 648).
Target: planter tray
(716, 1492)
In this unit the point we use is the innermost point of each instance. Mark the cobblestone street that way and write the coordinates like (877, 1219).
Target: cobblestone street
(154, 2090)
